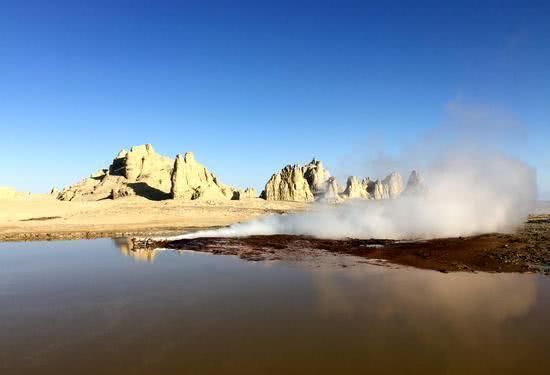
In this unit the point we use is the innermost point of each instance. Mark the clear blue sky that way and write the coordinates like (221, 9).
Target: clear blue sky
(251, 86)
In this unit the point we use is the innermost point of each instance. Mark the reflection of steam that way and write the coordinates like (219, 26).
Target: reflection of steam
(125, 246)
(467, 303)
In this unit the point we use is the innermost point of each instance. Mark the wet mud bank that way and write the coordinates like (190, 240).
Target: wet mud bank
(525, 251)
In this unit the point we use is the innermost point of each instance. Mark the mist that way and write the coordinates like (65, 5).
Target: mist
(459, 196)
(469, 186)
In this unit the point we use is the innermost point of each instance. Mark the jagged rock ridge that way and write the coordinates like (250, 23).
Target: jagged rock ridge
(288, 185)
(313, 182)
(141, 171)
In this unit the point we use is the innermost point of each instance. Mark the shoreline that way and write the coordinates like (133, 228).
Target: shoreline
(527, 250)
(37, 218)
(41, 218)
(68, 235)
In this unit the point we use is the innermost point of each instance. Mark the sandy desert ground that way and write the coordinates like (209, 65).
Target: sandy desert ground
(39, 217)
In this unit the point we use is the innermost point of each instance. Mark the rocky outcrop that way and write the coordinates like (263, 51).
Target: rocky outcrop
(191, 180)
(414, 179)
(298, 183)
(93, 188)
(379, 191)
(122, 192)
(393, 184)
(313, 181)
(356, 189)
(143, 164)
(389, 188)
(247, 193)
(288, 185)
(143, 172)
(415, 183)
(331, 192)
(316, 176)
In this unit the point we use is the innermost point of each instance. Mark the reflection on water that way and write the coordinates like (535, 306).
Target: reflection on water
(125, 246)
(81, 307)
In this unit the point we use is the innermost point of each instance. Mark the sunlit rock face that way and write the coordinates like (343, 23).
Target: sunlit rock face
(140, 171)
(316, 176)
(191, 180)
(143, 164)
(313, 182)
(288, 185)
(355, 189)
(143, 172)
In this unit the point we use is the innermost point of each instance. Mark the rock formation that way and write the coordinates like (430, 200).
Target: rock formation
(393, 184)
(389, 188)
(143, 164)
(143, 172)
(247, 193)
(356, 189)
(316, 176)
(313, 181)
(379, 191)
(414, 183)
(122, 192)
(191, 180)
(288, 185)
(330, 191)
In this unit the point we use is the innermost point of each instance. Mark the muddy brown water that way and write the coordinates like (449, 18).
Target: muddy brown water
(94, 307)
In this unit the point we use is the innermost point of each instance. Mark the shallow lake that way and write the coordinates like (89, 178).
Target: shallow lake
(94, 307)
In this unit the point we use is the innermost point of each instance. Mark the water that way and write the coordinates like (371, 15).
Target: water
(86, 307)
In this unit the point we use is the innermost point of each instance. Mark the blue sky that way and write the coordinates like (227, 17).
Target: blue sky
(251, 86)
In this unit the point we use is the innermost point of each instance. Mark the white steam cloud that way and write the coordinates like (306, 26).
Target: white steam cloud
(461, 196)
(465, 192)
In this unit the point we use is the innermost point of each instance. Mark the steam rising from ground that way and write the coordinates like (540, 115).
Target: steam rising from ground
(460, 195)
(468, 188)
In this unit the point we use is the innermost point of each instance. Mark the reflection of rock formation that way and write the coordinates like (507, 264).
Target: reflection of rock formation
(125, 247)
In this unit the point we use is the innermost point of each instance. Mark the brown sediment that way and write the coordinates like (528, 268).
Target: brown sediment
(525, 251)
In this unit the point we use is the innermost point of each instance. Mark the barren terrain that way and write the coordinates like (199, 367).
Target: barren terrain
(40, 217)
